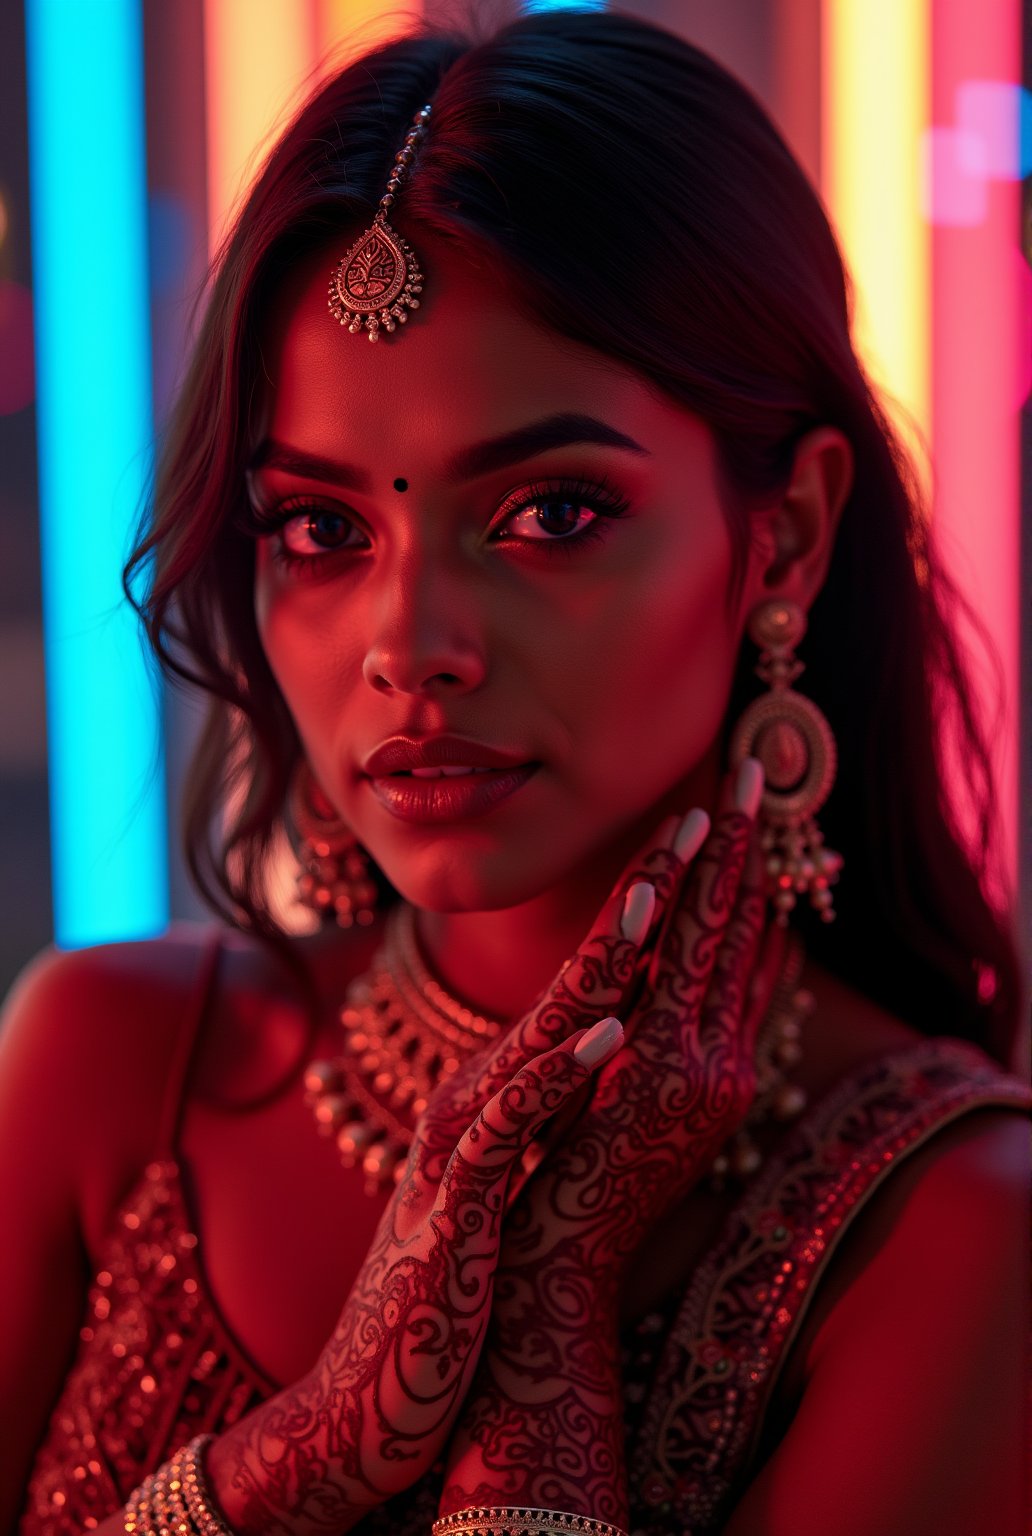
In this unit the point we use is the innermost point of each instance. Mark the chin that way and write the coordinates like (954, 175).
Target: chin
(465, 884)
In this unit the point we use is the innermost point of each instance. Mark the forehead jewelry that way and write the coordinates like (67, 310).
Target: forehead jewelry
(372, 285)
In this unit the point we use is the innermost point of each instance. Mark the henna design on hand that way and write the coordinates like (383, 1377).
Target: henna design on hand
(542, 1425)
(373, 1413)
(591, 984)
(371, 1416)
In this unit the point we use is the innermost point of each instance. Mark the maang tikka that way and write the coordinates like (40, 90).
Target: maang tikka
(796, 745)
(375, 283)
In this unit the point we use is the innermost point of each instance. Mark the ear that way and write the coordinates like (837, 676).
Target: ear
(792, 549)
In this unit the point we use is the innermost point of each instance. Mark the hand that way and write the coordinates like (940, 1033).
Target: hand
(599, 979)
(542, 1426)
(371, 1416)
(377, 1407)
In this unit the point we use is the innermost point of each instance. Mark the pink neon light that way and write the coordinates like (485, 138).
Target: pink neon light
(980, 328)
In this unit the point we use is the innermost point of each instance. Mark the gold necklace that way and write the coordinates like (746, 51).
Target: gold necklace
(402, 1034)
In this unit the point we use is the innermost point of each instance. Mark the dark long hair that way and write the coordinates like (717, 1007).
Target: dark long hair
(637, 198)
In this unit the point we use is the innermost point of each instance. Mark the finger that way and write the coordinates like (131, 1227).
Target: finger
(596, 980)
(725, 1015)
(510, 1118)
(697, 920)
(556, 1129)
(698, 1036)
(596, 977)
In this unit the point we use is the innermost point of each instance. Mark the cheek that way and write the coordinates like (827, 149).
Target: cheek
(280, 639)
(308, 670)
(653, 686)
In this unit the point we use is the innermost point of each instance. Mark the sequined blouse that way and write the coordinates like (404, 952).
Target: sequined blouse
(156, 1363)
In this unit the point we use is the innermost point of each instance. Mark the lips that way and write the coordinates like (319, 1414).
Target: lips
(451, 798)
(403, 754)
(441, 773)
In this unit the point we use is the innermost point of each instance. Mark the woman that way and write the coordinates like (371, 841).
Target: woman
(745, 1260)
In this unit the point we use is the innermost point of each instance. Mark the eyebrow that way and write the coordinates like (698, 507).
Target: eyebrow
(557, 431)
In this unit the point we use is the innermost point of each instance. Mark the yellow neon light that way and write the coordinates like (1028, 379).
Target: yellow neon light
(877, 104)
(261, 58)
(346, 28)
(258, 58)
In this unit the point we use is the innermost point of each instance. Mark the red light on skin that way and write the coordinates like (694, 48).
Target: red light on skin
(18, 374)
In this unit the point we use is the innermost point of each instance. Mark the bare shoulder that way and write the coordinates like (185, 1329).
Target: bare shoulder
(263, 1018)
(106, 1019)
(107, 1015)
(126, 1004)
(118, 1008)
(101, 1001)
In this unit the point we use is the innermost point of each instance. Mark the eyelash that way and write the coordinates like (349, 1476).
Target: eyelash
(599, 496)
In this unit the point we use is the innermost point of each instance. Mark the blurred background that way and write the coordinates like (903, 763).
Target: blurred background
(128, 131)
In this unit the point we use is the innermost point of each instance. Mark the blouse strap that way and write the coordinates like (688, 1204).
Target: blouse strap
(186, 1042)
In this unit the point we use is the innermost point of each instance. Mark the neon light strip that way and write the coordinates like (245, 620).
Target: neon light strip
(876, 93)
(254, 74)
(928, 216)
(345, 28)
(981, 361)
(89, 249)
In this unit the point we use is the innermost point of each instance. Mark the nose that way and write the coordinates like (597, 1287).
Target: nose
(424, 635)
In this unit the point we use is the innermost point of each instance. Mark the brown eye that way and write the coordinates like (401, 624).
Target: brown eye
(562, 516)
(316, 531)
(551, 517)
(300, 535)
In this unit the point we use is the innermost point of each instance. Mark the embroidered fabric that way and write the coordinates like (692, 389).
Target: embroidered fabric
(156, 1363)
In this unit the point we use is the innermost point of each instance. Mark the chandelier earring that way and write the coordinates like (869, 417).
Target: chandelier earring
(794, 742)
(334, 877)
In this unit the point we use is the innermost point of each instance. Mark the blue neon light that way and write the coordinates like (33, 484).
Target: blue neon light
(563, 5)
(87, 164)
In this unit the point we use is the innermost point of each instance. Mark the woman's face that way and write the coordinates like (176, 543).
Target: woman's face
(497, 601)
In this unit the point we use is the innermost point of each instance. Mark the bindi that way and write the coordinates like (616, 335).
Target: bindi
(400, 485)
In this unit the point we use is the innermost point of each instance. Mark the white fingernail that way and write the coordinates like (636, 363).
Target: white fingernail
(598, 1041)
(749, 786)
(639, 905)
(692, 834)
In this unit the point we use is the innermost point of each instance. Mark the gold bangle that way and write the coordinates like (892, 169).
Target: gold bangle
(140, 1513)
(156, 1506)
(481, 1521)
(175, 1499)
(169, 1507)
(199, 1504)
